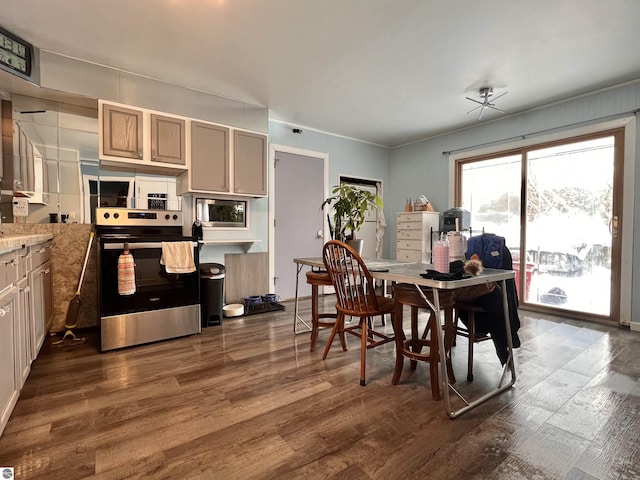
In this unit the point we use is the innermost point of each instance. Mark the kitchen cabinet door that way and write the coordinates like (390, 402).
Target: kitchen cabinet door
(168, 140)
(47, 295)
(41, 305)
(122, 134)
(209, 158)
(250, 163)
(23, 345)
(9, 390)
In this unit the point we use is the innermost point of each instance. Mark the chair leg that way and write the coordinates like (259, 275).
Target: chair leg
(314, 318)
(363, 351)
(471, 328)
(414, 335)
(399, 334)
(337, 327)
(434, 353)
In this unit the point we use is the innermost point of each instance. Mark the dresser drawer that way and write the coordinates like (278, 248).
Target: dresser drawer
(409, 235)
(409, 245)
(408, 217)
(410, 226)
(409, 256)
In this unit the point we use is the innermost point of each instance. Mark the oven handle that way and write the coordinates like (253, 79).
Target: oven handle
(136, 245)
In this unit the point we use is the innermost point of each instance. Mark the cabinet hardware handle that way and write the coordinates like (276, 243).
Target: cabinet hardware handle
(4, 311)
(46, 271)
(140, 155)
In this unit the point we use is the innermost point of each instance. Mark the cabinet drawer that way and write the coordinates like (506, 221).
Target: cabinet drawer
(409, 245)
(40, 254)
(409, 235)
(8, 269)
(409, 256)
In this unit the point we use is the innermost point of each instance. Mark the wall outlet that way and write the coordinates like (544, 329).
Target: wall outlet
(20, 207)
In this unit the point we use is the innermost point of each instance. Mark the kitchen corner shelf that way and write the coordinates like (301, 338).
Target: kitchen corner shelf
(246, 243)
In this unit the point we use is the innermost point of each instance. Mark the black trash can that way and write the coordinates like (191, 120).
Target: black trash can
(211, 293)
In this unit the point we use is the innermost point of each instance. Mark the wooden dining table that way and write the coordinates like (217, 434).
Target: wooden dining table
(394, 271)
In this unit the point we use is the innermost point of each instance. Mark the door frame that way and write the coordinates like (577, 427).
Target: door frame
(273, 149)
(628, 194)
(372, 182)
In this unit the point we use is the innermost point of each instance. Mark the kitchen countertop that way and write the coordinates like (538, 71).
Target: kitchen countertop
(12, 242)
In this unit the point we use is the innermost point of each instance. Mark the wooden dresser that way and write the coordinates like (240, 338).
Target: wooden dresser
(414, 235)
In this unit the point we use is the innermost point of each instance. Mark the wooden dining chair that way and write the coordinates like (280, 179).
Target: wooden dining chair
(422, 348)
(356, 297)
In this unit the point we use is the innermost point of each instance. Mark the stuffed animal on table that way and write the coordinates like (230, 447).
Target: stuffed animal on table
(473, 266)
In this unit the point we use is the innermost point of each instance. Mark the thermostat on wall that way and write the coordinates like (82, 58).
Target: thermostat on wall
(20, 207)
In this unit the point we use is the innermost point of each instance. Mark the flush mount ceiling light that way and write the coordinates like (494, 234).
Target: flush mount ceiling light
(487, 102)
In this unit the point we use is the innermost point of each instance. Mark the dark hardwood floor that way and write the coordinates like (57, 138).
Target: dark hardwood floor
(247, 400)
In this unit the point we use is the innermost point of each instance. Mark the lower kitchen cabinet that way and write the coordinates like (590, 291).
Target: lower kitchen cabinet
(41, 304)
(9, 389)
(26, 312)
(24, 353)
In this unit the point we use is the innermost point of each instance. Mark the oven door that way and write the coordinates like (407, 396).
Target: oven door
(155, 288)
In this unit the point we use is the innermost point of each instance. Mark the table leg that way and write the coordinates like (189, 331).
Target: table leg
(510, 365)
(296, 317)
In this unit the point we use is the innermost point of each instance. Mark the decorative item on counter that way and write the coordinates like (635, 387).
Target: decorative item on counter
(408, 207)
(457, 245)
(441, 255)
(53, 218)
(422, 204)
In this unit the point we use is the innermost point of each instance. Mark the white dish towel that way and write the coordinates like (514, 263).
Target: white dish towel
(177, 257)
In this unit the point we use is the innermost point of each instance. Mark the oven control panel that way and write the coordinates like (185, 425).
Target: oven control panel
(113, 216)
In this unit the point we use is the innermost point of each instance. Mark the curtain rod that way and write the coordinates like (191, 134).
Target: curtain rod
(541, 132)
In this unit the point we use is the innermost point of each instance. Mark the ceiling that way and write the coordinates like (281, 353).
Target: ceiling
(384, 71)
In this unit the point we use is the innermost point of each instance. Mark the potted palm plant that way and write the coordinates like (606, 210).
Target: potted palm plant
(350, 206)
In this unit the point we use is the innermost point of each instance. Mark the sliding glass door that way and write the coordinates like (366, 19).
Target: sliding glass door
(557, 205)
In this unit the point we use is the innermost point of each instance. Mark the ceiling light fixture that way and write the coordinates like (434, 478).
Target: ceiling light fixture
(485, 94)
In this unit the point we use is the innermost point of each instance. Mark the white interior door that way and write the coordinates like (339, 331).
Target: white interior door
(299, 221)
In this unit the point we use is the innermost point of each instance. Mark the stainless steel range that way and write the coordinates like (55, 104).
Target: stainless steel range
(164, 305)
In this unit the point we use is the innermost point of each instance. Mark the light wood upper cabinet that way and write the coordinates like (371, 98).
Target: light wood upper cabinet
(168, 140)
(249, 163)
(122, 132)
(209, 158)
(239, 168)
(141, 140)
(205, 157)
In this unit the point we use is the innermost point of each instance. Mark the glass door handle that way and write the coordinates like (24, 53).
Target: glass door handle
(613, 226)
